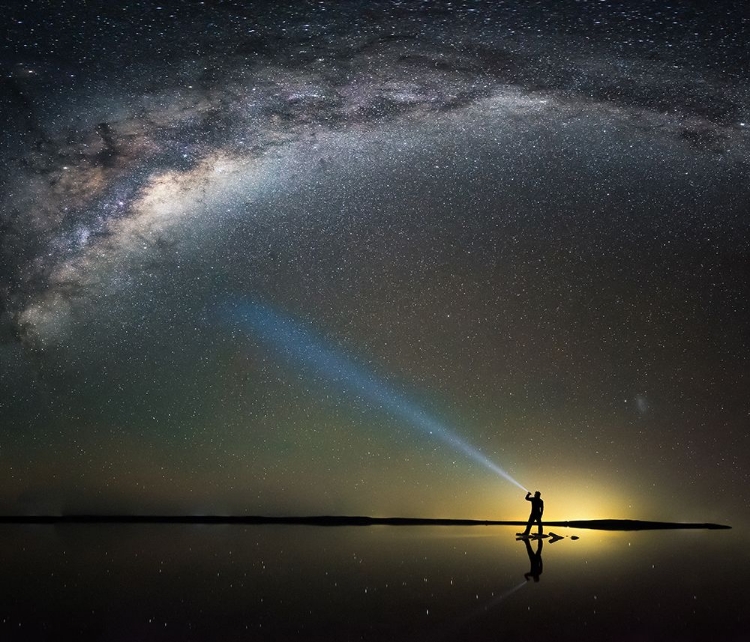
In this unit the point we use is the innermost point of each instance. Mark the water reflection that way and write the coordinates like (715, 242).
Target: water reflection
(372, 583)
(535, 558)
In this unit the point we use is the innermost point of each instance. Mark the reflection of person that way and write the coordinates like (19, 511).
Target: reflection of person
(536, 560)
(537, 509)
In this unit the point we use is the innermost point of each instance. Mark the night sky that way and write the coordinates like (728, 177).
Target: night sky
(334, 257)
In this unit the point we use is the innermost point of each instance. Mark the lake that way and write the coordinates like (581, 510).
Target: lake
(278, 582)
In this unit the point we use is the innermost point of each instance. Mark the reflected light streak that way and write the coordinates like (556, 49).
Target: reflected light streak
(493, 602)
(299, 345)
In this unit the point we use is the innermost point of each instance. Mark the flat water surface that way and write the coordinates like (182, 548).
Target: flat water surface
(269, 582)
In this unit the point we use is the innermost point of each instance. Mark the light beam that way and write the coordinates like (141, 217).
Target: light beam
(300, 346)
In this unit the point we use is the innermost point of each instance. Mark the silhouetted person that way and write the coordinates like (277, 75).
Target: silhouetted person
(536, 561)
(537, 509)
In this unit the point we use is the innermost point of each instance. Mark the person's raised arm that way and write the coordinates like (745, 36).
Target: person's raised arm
(528, 496)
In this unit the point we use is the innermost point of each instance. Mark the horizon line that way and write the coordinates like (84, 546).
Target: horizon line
(346, 520)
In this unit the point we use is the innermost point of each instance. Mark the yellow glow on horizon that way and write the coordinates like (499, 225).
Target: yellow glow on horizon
(572, 501)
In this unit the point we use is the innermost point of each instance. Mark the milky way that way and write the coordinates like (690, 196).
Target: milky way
(534, 220)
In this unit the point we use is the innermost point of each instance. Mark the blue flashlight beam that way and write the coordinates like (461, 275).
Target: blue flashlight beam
(298, 345)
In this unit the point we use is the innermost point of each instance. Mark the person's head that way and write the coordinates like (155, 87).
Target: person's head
(537, 494)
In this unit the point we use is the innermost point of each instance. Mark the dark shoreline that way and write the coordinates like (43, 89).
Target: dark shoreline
(329, 520)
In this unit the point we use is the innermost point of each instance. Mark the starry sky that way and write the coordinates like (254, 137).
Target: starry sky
(251, 254)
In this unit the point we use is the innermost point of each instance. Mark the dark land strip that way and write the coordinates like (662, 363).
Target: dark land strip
(329, 520)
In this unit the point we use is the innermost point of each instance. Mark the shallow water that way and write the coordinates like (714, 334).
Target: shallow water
(176, 582)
